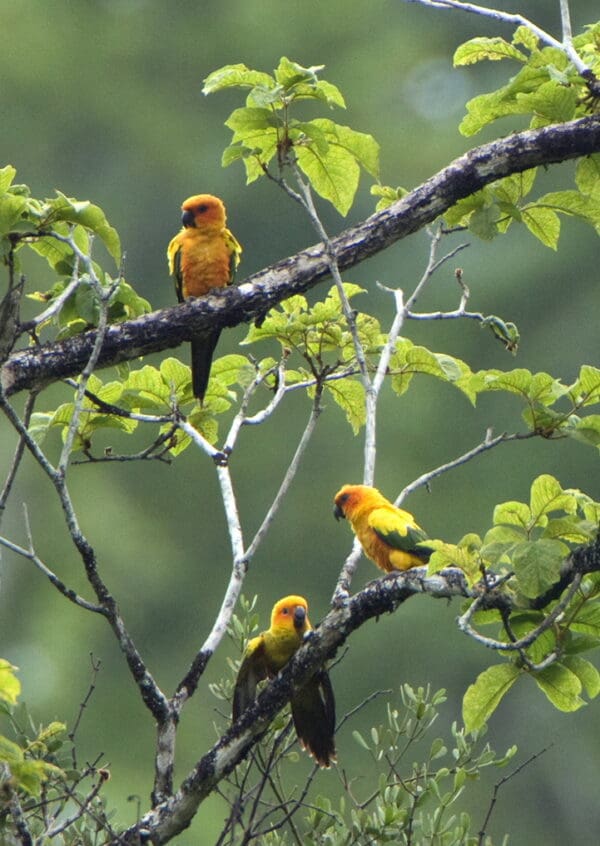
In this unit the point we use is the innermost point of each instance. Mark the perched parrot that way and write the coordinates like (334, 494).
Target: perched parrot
(313, 706)
(203, 255)
(388, 535)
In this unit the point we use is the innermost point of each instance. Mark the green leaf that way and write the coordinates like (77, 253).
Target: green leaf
(88, 215)
(537, 565)
(12, 208)
(236, 76)
(349, 394)
(512, 513)
(547, 495)
(464, 555)
(7, 174)
(550, 103)
(585, 671)
(493, 49)
(10, 686)
(586, 430)
(543, 223)
(10, 753)
(247, 122)
(587, 176)
(561, 686)
(523, 35)
(484, 222)
(573, 203)
(587, 620)
(334, 174)
(485, 694)
(586, 390)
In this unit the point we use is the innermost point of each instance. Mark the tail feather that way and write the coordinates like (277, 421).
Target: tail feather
(203, 348)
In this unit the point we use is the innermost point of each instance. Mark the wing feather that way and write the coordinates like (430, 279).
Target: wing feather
(398, 529)
(253, 670)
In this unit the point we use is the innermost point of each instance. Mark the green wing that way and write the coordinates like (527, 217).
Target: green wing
(253, 670)
(175, 259)
(398, 529)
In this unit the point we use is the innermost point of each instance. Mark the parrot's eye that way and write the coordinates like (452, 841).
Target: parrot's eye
(202, 208)
(285, 610)
(344, 497)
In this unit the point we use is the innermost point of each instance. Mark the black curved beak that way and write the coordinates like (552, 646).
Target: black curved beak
(338, 513)
(187, 218)
(299, 616)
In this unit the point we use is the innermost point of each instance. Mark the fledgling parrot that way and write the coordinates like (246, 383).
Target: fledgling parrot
(202, 256)
(313, 706)
(388, 535)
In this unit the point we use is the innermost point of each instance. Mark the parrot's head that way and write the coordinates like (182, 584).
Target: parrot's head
(350, 500)
(291, 612)
(203, 211)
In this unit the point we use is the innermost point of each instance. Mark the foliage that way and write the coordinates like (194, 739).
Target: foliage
(43, 791)
(413, 784)
(326, 349)
(328, 154)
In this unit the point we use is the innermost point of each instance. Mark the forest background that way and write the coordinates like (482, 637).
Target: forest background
(103, 100)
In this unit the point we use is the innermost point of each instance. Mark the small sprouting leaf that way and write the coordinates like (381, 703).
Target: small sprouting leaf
(586, 390)
(485, 694)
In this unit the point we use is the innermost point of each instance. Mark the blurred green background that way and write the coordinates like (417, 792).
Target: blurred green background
(102, 99)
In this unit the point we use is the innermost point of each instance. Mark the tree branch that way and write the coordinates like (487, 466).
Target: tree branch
(172, 816)
(36, 367)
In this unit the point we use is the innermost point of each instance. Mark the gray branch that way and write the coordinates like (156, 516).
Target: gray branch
(36, 367)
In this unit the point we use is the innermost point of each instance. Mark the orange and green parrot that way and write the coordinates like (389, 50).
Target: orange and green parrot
(388, 535)
(202, 256)
(313, 706)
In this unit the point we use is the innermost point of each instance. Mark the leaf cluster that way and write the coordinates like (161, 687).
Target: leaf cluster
(528, 546)
(42, 790)
(548, 89)
(329, 154)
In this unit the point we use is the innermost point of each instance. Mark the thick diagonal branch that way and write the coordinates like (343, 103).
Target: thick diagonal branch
(36, 367)
(172, 816)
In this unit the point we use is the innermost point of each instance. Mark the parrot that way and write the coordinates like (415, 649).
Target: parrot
(388, 535)
(203, 255)
(313, 705)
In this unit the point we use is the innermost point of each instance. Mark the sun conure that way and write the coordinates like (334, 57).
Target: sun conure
(388, 535)
(202, 256)
(313, 705)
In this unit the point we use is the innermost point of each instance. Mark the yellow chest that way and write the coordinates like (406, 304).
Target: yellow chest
(205, 262)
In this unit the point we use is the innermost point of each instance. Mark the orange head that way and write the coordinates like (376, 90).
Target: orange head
(351, 500)
(203, 211)
(291, 612)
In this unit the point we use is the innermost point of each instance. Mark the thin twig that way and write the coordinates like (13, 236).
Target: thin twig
(565, 47)
(500, 784)
(489, 442)
(19, 452)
